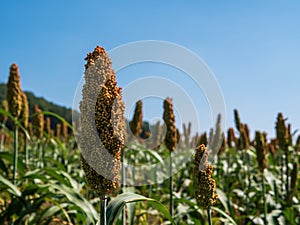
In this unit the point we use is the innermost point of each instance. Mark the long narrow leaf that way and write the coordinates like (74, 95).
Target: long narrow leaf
(12, 188)
(115, 207)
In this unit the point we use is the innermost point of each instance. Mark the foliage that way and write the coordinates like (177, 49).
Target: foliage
(52, 188)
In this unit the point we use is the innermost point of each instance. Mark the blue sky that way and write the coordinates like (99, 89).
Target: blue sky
(252, 47)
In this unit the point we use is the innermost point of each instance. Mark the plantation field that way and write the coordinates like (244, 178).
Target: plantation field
(102, 170)
(51, 188)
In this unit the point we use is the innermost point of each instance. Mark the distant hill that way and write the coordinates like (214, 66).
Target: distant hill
(44, 105)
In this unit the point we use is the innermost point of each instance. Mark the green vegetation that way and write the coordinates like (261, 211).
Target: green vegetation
(44, 105)
(217, 179)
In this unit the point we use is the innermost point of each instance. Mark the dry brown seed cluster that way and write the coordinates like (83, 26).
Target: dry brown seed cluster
(237, 119)
(203, 139)
(243, 141)
(187, 134)
(14, 92)
(64, 130)
(169, 118)
(25, 111)
(137, 121)
(38, 122)
(261, 151)
(158, 134)
(216, 142)
(230, 137)
(281, 132)
(205, 186)
(102, 130)
(48, 126)
(58, 130)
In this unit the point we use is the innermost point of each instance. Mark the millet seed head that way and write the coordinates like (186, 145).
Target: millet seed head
(261, 151)
(281, 132)
(38, 122)
(102, 132)
(169, 118)
(137, 120)
(14, 92)
(25, 111)
(205, 186)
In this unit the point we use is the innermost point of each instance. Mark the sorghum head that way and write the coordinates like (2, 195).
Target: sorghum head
(205, 186)
(169, 118)
(14, 93)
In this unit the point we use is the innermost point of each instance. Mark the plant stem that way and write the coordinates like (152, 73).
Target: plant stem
(103, 201)
(282, 173)
(123, 183)
(171, 187)
(15, 153)
(209, 216)
(26, 150)
(2, 139)
(43, 155)
(287, 182)
(264, 198)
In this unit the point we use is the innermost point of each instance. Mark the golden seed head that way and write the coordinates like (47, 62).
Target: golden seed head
(169, 118)
(25, 111)
(223, 145)
(137, 121)
(203, 139)
(38, 122)
(58, 130)
(14, 93)
(205, 186)
(64, 130)
(281, 132)
(217, 136)
(187, 134)
(237, 119)
(247, 132)
(243, 141)
(230, 137)
(261, 150)
(102, 130)
(158, 134)
(48, 126)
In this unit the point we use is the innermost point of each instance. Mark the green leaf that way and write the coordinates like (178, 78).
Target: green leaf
(223, 199)
(115, 207)
(51, 211)
(224, 214)
(10, 158)
(13, 189)
(77, 200)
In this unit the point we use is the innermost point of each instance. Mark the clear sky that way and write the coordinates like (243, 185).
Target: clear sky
(252, 47)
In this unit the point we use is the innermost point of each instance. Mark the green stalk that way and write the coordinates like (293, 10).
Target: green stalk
(2, 139)
(26, 150)
(171, 188)
(37, 156)
(282, 172)
(287, 186)
(15, 153)
(123, 183)
(275, 191)
(43, 155)
(264, 198)
(209, 216)
(103, 201)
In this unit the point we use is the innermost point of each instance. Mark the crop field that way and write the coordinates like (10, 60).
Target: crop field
(62, 173)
